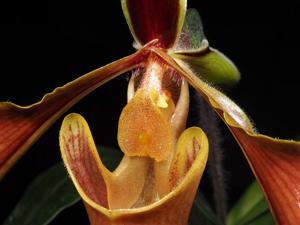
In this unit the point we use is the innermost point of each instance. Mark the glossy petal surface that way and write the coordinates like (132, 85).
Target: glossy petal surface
(155, 19)
(275, 162)
(20, 126)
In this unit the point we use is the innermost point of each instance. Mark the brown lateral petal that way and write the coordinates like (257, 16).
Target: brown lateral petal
(275, 162)
(20, 126)
(155, 19)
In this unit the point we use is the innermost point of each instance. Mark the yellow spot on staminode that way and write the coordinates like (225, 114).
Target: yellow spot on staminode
(144, 138)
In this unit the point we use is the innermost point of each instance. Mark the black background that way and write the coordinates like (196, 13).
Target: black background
(48, 43)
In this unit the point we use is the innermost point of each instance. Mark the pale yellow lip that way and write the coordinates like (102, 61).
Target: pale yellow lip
(180, 198)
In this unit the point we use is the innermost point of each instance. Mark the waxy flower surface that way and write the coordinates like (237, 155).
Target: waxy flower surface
(156, 181)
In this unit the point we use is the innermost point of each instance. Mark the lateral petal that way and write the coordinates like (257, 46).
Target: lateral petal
(275, 162)
(21, 126)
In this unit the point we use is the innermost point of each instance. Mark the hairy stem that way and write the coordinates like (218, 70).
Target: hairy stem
(208, 121)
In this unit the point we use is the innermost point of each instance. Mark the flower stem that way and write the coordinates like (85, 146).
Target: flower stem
(208, 121)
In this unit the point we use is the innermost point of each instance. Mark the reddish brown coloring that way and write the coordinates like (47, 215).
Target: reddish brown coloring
(154, 19)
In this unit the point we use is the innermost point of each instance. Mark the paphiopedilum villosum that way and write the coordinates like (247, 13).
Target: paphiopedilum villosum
(156, 180)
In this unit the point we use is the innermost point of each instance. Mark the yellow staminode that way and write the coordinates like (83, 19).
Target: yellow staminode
(145, 129)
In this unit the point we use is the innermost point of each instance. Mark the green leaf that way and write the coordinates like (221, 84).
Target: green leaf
(201, 212)
(263, 219)
(52, 192)
(251, 209)
(46, 197)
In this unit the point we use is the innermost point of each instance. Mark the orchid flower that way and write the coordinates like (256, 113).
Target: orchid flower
(156, 181)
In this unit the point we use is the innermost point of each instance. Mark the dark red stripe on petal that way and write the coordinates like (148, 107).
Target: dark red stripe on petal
(188, 148)
(21, 126)
(155, 19)
(82, 164)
